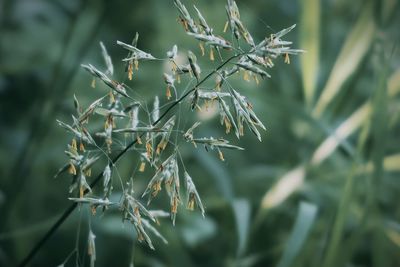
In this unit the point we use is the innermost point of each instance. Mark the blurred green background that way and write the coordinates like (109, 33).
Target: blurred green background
(322, 189)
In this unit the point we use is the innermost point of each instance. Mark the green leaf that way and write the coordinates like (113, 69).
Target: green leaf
(241, 210)
(309, 41)
(304, 222)
(353, 51)
(379, 133)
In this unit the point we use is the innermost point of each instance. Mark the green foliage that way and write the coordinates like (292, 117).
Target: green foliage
(331, 140)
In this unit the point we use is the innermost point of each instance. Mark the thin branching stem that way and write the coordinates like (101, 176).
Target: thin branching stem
(73, 206)
(176, 102)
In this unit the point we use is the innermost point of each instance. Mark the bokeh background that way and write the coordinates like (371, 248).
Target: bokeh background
(322, 189)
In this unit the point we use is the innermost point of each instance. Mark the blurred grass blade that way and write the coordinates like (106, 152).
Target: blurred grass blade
(309, 41)
(392, 230)
(353, 51)
(285, 186)
(394, 83)
(350, 125)
(393, 236)
(304, 222)
(345, 129)
(336, 231)
(387, 9)
(379, 124)
(241, 210)
(379, 133)
(378, 105)
(390, 164)
(292, 180)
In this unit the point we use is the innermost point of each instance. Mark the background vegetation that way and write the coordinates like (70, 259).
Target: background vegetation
(320, 190)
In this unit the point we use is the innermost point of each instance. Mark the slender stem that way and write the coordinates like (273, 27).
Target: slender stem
(176, 102)
(339, 223)
(71, 208)
(49, 233)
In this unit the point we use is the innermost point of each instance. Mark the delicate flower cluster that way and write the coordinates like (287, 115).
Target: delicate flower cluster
(150, 134)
